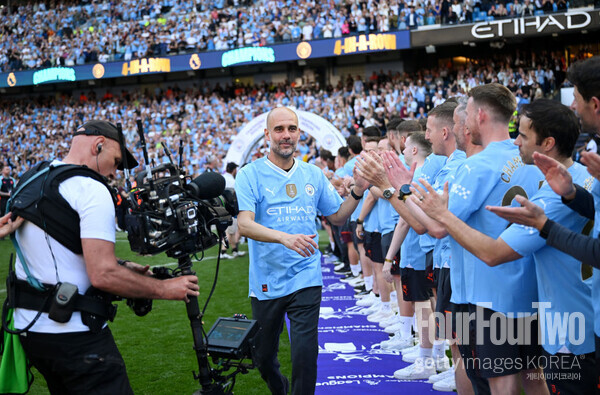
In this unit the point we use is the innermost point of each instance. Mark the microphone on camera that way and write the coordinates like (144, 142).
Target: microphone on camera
(208, 185)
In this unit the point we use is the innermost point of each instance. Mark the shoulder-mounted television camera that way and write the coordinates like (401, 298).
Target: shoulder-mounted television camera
(168, 213)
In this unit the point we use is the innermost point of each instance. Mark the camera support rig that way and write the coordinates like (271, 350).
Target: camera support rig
(214, 381)
(169, 215)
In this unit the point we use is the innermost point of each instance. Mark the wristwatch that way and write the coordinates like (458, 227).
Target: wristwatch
(404, 192)
(388, 193)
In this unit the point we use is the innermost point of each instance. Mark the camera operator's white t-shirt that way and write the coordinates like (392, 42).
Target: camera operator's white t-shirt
(96, 211)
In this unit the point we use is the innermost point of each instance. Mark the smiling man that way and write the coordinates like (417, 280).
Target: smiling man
(279, 198)
(550, 128)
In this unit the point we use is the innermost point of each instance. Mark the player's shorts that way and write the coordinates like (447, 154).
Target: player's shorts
(570, 373)
(346, 232)
(415, 286)
(442, 305)
(431, 279)
(373, 247)
(355, 240)
(460, 333)
(493, 355)
(386, 241)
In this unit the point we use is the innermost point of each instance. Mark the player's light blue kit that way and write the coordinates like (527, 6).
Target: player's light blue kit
(388, 216)
(370, 221)
(411, 254)
(288, 202)
(562, 291)
(441, 252)
(494, 177)
(431, 168)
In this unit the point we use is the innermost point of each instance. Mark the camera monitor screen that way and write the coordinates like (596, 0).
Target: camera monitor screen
(229, 332)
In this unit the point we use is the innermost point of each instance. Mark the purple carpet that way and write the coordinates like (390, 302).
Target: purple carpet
(350, 360)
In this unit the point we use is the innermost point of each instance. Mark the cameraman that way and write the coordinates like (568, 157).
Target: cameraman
(279, 198)
(71, 356)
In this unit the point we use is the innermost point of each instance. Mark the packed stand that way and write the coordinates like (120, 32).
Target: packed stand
(78, 32)
(207, 118)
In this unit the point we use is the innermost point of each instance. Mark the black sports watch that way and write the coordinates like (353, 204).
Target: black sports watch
(404, 192)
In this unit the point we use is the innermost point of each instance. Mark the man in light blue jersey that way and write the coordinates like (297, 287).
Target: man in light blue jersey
(278, 199)
(354, 148)
(355, 227)
(585, 76)
(550, 128)
(440, 131)
(415, 287)
(394, 233)
(375, 226)
(494, 176)
(365, 227)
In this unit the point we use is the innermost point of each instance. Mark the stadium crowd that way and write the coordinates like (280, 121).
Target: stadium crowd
(45, 34)
(206, 118)
(407, 114)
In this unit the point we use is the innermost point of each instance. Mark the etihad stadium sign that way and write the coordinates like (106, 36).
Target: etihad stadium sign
(569, 22)
(577, 20)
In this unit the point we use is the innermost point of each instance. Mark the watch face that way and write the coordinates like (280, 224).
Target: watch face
(405, 189)
(388, 193)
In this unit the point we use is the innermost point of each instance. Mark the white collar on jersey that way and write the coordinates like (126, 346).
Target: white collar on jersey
(279, 170)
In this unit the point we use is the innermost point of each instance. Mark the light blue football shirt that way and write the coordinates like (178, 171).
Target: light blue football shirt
(348, 168)
(388, 216)
(370, 222)
(441, 250)
(431, 168)
(348, 171)
(561, 289)
(288, 202)
(411, 254)
(494, 177)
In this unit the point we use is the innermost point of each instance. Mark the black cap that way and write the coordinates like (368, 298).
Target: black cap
(109, 130)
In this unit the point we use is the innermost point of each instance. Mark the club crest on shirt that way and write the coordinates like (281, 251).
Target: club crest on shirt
(291, 190)
(309, 189)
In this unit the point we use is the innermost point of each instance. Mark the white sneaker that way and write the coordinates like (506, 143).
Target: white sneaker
(396, 343)
(422, 369)
(225, 255)
(441, 376)
(446, 385)
(368, 300)
(374, 308)
(339, 266)
(380, 316)
(393, 328)
(442, 364)
(239, 253)
(412, 356)
(413, 349)
(390, 321)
